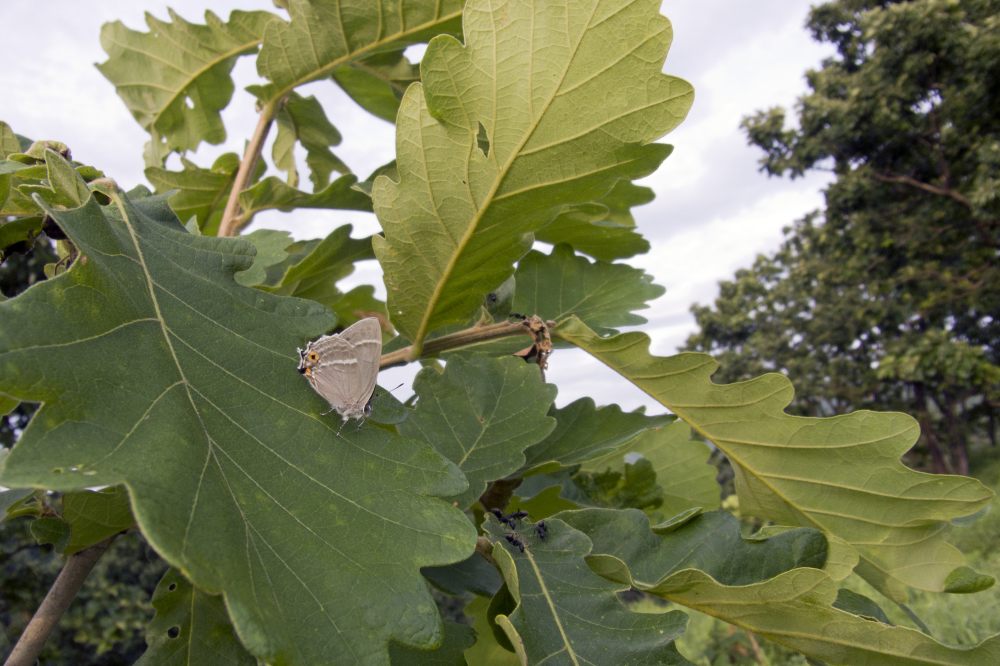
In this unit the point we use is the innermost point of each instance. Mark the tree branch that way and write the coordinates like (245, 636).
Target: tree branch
(58, 599)
(231, 222)
(468, 337)
(926, 187)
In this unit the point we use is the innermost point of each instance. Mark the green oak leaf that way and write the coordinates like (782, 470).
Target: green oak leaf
(175, 79)
(730, 579)
(506, 130)
(859, 604)
(190, 628)
(487, 649)
(601, 294)
(377, 83)
(457, 639)
(633, 487)
(93, 516)
(273, 193)
(584, 432)
(324, 35)
(155, 369)
(710, 542)
(481, 413)
(565, 613)
(473, 574)
(680, 463)
(841, 474)
(200, 193)
(301, 120)
(604, 229)
(9, 142)
(271, 246)
(318, 267)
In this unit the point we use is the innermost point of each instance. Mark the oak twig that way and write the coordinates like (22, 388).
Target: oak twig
(470, 336)
(231, 219)
(60, 596)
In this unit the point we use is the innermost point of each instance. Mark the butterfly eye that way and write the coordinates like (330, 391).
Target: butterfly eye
(313, 356)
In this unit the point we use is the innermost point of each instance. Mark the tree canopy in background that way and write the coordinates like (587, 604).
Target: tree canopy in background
(889, 298)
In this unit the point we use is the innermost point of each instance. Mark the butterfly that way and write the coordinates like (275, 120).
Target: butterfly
(343, 367)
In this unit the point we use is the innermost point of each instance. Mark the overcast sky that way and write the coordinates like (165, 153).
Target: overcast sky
(713, 212)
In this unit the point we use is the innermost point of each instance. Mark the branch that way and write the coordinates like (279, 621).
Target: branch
(231, 222)
(926, 187)
(468, 337)
(60, 596)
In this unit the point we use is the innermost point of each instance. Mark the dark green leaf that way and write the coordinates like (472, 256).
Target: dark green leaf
(584, 432)
(481, 413)
(859, 604)
(190, 628)
(457, 638)
(601, 294)
(565, 612)
(161, 372)
(94, 516)
(710, 542)
(317, 269)
(474, 575)
(51, 530)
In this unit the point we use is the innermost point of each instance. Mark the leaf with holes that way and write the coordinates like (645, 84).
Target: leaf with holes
(175, 79)
(190, 628)
(564, 611)
(155, 369)
(481, 413)
(507, 130)
(840, 474)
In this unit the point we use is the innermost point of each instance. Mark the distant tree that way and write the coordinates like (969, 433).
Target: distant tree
(889, 298)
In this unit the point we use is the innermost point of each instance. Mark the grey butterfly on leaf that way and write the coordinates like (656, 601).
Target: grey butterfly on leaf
(343, 367)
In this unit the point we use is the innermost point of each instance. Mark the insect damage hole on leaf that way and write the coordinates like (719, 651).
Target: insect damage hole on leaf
(483, 141)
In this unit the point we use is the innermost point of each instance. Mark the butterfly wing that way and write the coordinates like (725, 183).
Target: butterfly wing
(348, 367)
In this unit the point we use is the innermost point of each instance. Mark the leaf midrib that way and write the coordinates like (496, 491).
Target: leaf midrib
(473, 224)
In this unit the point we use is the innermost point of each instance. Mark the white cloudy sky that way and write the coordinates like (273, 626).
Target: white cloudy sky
(713, 211)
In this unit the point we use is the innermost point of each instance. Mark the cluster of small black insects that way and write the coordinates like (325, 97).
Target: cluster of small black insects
(510, 520)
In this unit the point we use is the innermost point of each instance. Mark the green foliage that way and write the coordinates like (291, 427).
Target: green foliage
(179, 105)
(889, 300)
(459, 216)
(779, 475)
(478, 523)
